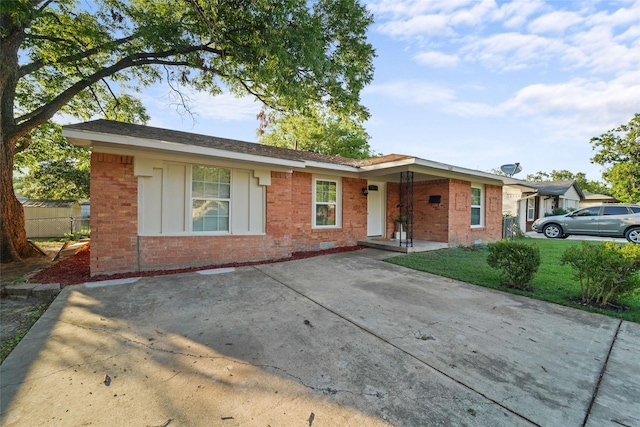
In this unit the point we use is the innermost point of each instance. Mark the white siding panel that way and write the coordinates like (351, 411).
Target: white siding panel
(241, 201)
(248, 201)
(173, 202)
(571, 194)
(150, 203)
(257, 207)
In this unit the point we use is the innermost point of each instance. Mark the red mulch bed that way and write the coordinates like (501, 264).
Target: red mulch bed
(75, 269)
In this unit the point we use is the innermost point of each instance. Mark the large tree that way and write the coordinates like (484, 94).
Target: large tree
(618, 150)
(317, 130)
(54, 169)
(61, 55)
(585, 184)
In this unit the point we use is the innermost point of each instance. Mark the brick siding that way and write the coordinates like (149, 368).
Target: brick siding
(450, 220)
(114, 217)
(117, 248)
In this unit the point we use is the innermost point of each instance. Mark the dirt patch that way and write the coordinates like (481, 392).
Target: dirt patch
(18, 316)
(13, 272)
(611, 305)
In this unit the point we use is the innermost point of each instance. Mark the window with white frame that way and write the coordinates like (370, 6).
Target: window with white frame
(477, 206)
(531, 209)
(326, 203)
(210, 198)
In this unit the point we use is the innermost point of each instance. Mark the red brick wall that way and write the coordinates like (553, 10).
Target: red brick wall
(450, 220)
(354, 216)
(114, 214)
(117, 248)
(431, 221)
(460, 231)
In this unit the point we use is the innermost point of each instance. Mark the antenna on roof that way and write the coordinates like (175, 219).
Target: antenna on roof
(511, 168)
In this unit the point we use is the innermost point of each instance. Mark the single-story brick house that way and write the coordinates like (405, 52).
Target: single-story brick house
(164, 199)
(532, 200)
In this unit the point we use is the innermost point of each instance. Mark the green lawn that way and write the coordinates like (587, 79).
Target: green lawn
(553, 282)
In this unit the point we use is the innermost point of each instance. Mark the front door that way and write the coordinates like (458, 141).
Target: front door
(375, 209)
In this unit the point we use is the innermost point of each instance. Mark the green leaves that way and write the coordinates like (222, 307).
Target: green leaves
(605, 270)
(517, 261)
(619, 151)
(316, 130)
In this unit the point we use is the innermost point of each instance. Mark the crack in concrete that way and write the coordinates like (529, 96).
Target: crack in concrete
(602, 372)
(361, 327)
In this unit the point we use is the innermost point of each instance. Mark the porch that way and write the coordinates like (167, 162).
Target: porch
(394, 245)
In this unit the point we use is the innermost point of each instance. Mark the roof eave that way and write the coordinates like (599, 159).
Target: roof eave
(90, 138)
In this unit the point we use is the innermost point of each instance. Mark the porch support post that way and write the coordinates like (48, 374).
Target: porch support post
(406, 205)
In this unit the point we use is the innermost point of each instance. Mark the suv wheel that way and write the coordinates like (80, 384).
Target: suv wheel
(553, 231)
(633, 235)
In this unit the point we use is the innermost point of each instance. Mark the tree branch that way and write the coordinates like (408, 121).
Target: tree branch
(36, 65)
(28, 122)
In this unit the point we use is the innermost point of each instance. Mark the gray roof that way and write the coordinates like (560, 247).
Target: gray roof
(555, 188)
(159, 134)
(30, 203)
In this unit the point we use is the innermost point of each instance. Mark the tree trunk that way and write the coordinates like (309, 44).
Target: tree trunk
(13, 237)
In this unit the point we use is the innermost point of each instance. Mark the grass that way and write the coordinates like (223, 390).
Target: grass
(25, 324)
(553, 282)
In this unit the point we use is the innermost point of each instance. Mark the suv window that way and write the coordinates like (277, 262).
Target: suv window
(615, 210)
(592, 211)
(635, 209)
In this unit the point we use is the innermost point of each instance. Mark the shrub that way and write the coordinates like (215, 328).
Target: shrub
(517, 261)
(605, 270)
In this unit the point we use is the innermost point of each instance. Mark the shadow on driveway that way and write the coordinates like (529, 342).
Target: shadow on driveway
(341, 339)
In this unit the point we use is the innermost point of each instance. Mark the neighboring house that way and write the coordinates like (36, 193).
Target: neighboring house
(49, 218)
(86, 208)
(532, 200)
(164, 199)
(592, 199)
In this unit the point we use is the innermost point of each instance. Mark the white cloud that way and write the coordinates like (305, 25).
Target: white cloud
(554, 22)
(412, 91)
(581, 105)
(512, 51)
(437, 59)
(432, 97)
(407, 8)
(417, 25)
(514, 15)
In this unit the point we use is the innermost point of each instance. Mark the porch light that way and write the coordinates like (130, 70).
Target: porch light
(365, 191)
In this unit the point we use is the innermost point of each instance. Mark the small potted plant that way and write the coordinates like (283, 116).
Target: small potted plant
(401, 222)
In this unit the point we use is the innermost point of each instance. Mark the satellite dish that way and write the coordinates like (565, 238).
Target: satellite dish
(511, 169)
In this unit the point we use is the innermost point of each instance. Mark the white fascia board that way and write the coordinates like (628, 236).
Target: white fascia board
(331, 166)
(388, 165)
(458, 169)
(87, 138)
(449, 171)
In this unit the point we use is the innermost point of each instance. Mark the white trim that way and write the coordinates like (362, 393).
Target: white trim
(481, 205)
(338, 203)
(533, 210)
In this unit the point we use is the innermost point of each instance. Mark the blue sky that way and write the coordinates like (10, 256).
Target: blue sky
(477, 83)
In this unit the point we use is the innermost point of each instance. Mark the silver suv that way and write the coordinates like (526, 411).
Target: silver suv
(612, 220)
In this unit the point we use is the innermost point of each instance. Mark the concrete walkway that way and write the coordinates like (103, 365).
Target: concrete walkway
(343, 339)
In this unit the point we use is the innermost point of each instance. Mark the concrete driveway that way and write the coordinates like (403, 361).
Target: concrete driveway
(336, 340)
